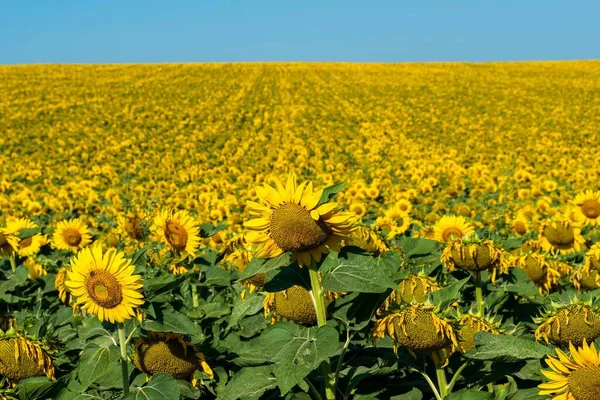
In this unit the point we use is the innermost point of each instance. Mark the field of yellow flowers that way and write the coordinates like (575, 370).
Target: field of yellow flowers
(300, 231)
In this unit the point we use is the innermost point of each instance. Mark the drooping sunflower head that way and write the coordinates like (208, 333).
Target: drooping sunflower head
(539, 269)
(586, 279)
(35, 268)
(291, 218)
(368, 240)
(178, 269)
(294, 304)
(169, 353)
(572, 323)
(588, 204)
(561, 237)
(419, 328)
(451, 227)
(470, 325)
(573, 378)
(178, 230)
(71, 235)
(592, 258)
(59, 284)
(22, 358)
(414, 289)
(24, 243)
(474, 255)
(6, 249)
(104, 284)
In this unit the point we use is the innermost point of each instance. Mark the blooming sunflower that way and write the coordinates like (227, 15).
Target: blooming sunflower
(71, 235)
(26, 246)
(561, 237)
(451, 227)
(59, 284)
(104, 284)
(289, 218)
(35, 268)
(178, 230)
(588, 204)
(573, 378)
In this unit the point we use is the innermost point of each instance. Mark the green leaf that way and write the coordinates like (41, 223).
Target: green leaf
(285, 278)
(357, 309)
(261, 265)
(470, 395)
(34, 388)
(94, 362)
(414, 394)
(353, 270)
(160, 387)
(249, 382)
(448, 295)
(252, 304)
(521, 284)
(138, 254)
(207, 230)
(330, 191)
(171, 321)
(28, 232)
(526, 394)
(505, 348)
(296, 351)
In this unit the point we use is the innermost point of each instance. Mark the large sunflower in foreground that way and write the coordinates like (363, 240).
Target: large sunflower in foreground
(71, 235)
(450, 227)
(104, 284)
(178, 230)
(21, 358)
(289, 218)
(588, 204)
(573, 378)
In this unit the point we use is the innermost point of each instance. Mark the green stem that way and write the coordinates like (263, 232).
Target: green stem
(430, 382)
(195, 301)
(338, 369)
(313, 389)
(441, 377)
(479, 294)
(318, 295)
(124, 370)
(13, 264)
(456, 376)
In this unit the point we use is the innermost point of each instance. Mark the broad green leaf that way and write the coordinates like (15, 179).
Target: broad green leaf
(330, 191)
(34, 388)
(259, 265)
(160, 387)
(470, 395)
(521, 284)
(505, 348)
(207, 230)
(448, 295)
(526, 394)
(356, 309)
(94, 362)
(28, 232)
(252, 304)
(249, 382)
(352, 270)
(296, 351)
(414, 394)
(285, 278)
(171, 321)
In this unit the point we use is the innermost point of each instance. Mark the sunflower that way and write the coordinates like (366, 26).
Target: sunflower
(368, 240)
(169, 353)
(178, 269)
(104, 284)
(520, 225)
(71, 235)
(539, 269)
(414, 289)
(584, 278)
(24, 246)
(6, 249)
(178, 230)
(451, 227)
(561, 237)
(290, 218)
(573, 378)
(474, 255)
(21, 358)
(588, 204)
(592, 258)
(470, 325)
(59, 284)
(35, 268)
(134, 226)
(572, 323)
(294, 304)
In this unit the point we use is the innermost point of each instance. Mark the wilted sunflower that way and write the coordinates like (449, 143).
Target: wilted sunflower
(59, 284)
(561, 237)
(289, 218)
(6, 249)
(585, 278)
(368, 240)
(27, 246)
(71, 235)
(413, 289)
(169, 353)
(104, 284)
(573, 378)
(588, 204)
(451, 227)
(592, 258)
(474, 255)
(539, 269)
(294, 304)
(469, 326)
(419, 328)
(21, 358)
(178, 230)
(572, 323)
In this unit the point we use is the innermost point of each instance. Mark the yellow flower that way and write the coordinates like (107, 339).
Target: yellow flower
(104, 284)
(28, 246)
(71, 235)
(21, 358)
(178, 230)
(561, 237)
(588, 204)
(451, 227)
(474, 255)
(573, 323)
(35, 268)
(59, 284)
(573, 378)
(288, 218)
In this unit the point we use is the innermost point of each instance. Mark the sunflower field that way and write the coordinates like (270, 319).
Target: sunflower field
(300, 231)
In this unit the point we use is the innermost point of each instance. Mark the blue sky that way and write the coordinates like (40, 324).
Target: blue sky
(107, 31)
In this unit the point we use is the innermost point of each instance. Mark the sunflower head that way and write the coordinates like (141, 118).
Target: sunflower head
(72, 235)
(35, 268)
(178, 269)
(368, 240)
(59, 284)
(470, 325)
(24, 246)
(540, 270)
(587, 279)
(6, 249)
(414, 289)
(179, 231)
(294, 304)
(592, 258)
(419, 328)
(572, 323)
(573, 378)
(451, 227)
(171, 354)
(21, 358)
(104, 284)
(291, 218)
(561, 237)
(472, 254)
(588, 204)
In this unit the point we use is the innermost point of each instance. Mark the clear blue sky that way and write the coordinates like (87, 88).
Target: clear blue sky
(111, 31)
